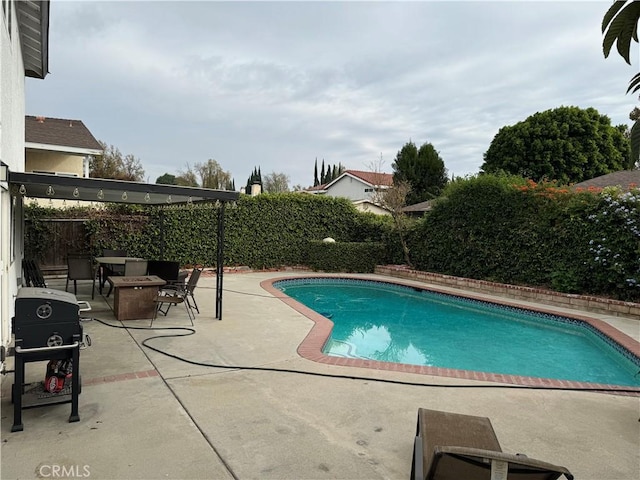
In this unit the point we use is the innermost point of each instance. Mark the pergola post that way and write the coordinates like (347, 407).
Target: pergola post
(220, 260)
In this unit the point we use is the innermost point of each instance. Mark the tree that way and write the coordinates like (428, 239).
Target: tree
(111, 164)
(132, 169)
(422, 169)
(566, 144)
(276, 183)
(393, 199)
(212, 175)
(187, 177)
(620, 25)
(316, 182)
(167, 179)
(254, 179)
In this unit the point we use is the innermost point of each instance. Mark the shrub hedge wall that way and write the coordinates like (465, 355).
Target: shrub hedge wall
(356, 257)
(264, 231)
(496, 228)
(507, 230)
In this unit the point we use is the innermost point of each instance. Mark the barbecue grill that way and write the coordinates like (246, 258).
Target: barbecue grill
(46, 326)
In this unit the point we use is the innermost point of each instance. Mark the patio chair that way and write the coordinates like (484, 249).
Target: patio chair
(32, 274)
(192, 283)
(110, 270)
(80, 267)
(452, 446)
(186, 290)
(167, 270)
(171, 298)
(133, 267)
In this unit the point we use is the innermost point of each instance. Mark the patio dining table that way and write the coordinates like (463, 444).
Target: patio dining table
(110, 261)
(115, 260)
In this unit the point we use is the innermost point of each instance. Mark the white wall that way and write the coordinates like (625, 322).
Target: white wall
(351, 188)
(12, 111)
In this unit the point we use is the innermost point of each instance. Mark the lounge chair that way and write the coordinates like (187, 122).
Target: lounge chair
(452, 446)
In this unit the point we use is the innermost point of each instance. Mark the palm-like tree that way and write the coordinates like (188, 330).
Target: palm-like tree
(620, 26)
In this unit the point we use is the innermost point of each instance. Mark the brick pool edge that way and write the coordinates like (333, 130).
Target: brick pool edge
(589, 303)
(312, 345)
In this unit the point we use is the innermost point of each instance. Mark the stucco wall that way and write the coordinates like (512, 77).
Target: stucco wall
(12, 111)
(350, 188)
(54, 162)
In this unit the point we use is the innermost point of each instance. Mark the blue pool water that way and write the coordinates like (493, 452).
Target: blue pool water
(393, 323)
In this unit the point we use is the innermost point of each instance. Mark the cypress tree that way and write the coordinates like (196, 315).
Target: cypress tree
(316, 182)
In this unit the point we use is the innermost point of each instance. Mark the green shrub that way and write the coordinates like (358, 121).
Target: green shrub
(356, 257)
(498, 228)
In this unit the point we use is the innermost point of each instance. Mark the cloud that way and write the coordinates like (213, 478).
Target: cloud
(276, 85)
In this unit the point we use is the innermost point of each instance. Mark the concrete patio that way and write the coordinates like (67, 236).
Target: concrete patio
(144, 415)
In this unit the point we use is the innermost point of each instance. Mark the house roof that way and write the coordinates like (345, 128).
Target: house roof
(61, 133)
(625, 179)
(421, 207)
(316, 189)
(33, 27)
(372, 178)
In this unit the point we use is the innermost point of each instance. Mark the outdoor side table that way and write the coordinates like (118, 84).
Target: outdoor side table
(134, 296)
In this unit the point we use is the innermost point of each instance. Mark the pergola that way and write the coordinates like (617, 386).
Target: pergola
(58, 187)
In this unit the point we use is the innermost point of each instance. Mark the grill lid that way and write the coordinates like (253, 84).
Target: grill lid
(46, 294)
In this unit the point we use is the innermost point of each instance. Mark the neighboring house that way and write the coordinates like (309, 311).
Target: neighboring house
(625, 179)
(370, 207)
(358, 186)
(24, 52)
(59, 146)
(419, 209)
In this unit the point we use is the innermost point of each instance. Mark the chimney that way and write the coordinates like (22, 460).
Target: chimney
(255, 189)
(40, 119)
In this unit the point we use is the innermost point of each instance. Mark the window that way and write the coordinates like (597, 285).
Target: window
(368, 190)
(61, 174)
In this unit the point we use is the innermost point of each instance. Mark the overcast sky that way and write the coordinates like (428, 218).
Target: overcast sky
(277, 85)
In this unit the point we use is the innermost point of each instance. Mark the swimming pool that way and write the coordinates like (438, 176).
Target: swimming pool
(381, 323)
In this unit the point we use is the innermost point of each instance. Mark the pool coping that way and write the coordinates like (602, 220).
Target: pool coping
(311, 346)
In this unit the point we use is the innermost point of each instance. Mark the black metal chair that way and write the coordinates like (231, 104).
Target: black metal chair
(168, 271)
(185, 290)
(80, 267)
(177, 293)
(32, 274)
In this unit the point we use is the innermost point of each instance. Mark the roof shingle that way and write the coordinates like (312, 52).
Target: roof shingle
(373, 178)
(60, 132)
(625, 179)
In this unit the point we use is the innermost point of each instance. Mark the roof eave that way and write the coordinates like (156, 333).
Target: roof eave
(33, 27)
(62, 148)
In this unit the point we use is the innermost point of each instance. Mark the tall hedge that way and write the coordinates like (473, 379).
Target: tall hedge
(497, 228)
(507, 230)
(262, 232)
